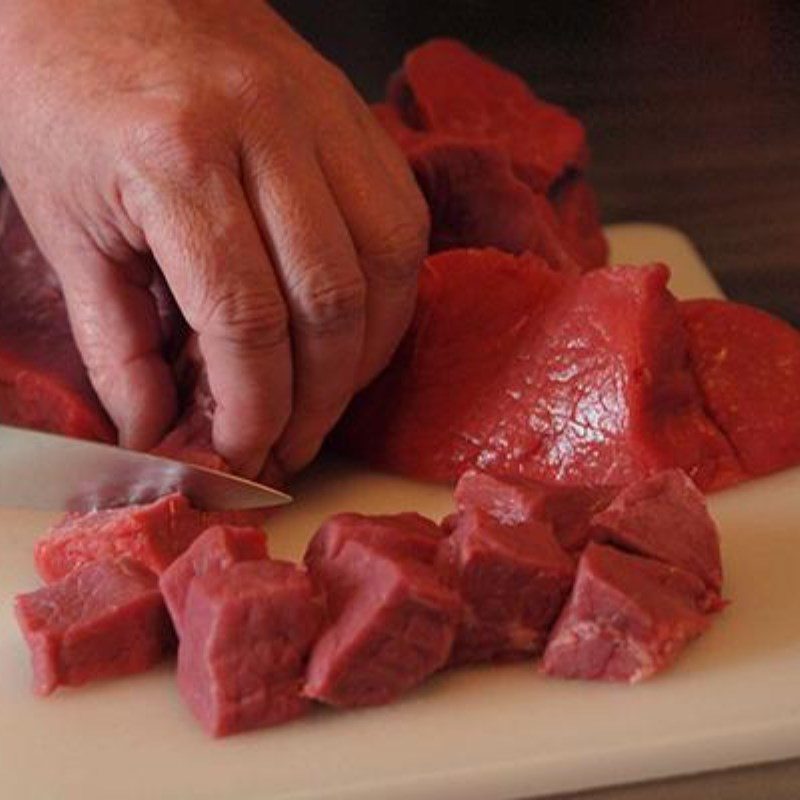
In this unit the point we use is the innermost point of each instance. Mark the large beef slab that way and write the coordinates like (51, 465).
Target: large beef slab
(104, 620)
(498, 166)
(446, 88)
(748, 366)
(519, 371)
(43, 383)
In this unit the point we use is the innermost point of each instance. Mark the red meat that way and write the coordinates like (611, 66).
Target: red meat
(477, 200)
(513, 501)
(43, 383)
(748, 367)
(446, 88)
(513, 580)
(215, 549)
(664, 517)
(475, 308)
(153, 534)
(104, 620)
(575, 204)
(627, 619)
(246, 634)
(514, 369)
(391, 620)
(404, 535)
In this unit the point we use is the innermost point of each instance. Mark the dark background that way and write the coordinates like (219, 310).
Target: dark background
(693, 109)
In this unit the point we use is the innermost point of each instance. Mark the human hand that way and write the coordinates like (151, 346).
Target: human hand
(207, 140)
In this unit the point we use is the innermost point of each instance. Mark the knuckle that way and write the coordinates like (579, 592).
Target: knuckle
(399, 253)
(168, 139)
(246, 320)
(325, 306)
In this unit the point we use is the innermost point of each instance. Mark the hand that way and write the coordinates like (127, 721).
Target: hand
(204, 138)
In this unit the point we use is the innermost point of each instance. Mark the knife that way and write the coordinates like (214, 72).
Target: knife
(47, 471)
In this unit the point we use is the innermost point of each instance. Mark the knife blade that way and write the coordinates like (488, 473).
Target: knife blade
(51, 472)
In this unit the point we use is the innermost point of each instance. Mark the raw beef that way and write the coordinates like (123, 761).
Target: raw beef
(404, 535)
(476, 196)
(245, 639)
(664, 517)
(576, 205)
(476, 200)
(391, 620)
(215, 549)
(513, 580)
(748, 367)
(513, 501)
(519, 371)
(446, 88)
(627, 619)
(104, 620)
(43, 383)
(474, 311)
(153, 534)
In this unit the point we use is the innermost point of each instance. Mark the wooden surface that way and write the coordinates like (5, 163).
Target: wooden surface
(693, 115)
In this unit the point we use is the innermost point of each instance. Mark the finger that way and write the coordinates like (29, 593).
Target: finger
(210, 251)
(387, 219)
(117, 330)
(322, 283)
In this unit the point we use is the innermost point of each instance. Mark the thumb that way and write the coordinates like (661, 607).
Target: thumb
(116, 325)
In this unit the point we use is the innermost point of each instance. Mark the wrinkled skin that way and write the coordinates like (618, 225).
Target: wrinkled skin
(205, 139)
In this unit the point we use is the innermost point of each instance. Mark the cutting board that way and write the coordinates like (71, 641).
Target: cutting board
(474, 734)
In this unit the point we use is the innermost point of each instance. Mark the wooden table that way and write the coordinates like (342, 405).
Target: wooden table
(694, 119)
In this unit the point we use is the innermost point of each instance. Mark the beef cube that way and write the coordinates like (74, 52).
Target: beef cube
(104, 620)
(664, 517)
(154, 534)
(628, 617)
(404, 535)
(513, 580)
(246, 635)
(513, 501)
(391, 619)
(216, 549)
(748, 366)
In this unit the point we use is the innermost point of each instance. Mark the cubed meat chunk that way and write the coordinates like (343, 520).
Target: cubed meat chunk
(154, 534)
(404, 535)
(513, 580)
(513, 501)
(245, 639)
(391, 619)
(104, 620)
(664, 517)
(628, 617)
(217, 548)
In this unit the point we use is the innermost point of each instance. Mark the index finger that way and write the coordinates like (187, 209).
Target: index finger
(211, 253)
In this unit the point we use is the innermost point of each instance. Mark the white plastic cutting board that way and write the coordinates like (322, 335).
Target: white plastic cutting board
(477, 734)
